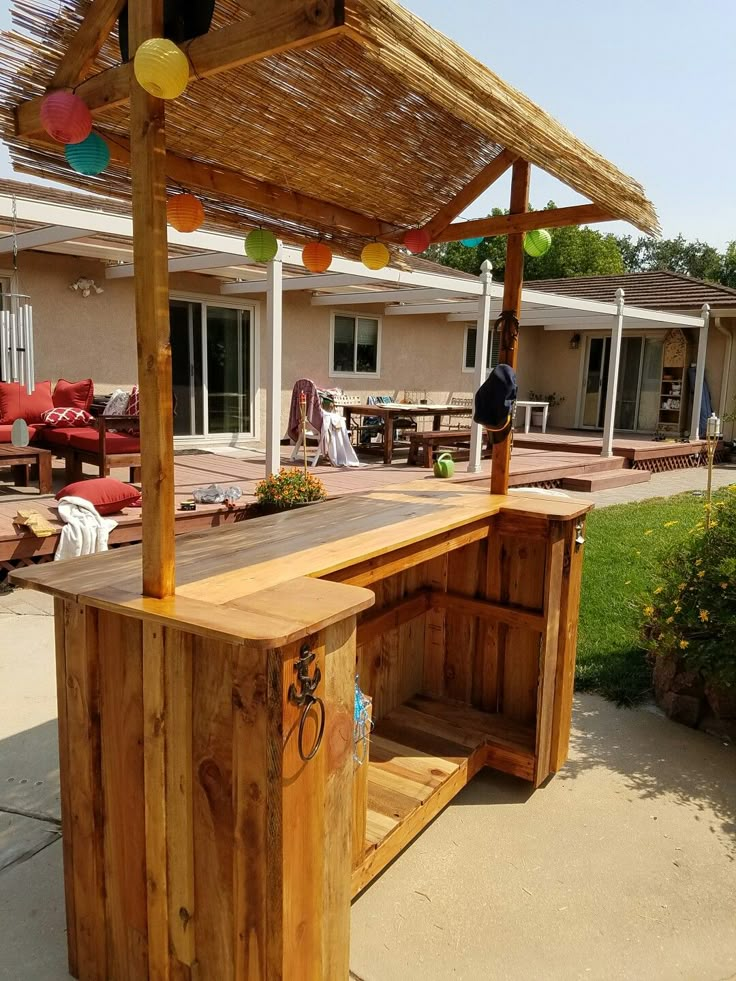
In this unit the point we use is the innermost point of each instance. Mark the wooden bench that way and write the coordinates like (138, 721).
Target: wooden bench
(429, 441)
(104, 449)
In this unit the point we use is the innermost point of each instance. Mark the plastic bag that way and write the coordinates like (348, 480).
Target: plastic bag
(215, 494)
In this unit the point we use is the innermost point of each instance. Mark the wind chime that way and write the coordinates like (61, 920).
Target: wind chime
(16, 342)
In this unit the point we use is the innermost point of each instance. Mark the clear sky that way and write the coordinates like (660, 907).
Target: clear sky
(651, 84)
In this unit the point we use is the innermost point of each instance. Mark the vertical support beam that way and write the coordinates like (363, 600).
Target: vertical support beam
(614, 360)
(150, 255)
(482, 336)
(512, 283)
(274, 307)
(699, 375)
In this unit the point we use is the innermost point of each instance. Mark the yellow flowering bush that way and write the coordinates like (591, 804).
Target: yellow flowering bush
(289, 488)
(692, 610)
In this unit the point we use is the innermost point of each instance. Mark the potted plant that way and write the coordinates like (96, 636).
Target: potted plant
(553, 399)
(289, 488)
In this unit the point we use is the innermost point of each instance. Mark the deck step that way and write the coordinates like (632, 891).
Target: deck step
(605, 479)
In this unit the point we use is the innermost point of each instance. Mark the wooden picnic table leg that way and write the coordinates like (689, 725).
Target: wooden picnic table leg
(388, 438)
(45, 482)
(437, 421)
(20, 475)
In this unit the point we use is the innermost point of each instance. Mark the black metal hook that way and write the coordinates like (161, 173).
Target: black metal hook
(304, 696)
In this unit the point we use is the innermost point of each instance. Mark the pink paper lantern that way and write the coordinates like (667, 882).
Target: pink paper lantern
(65, 117)
(417, 240)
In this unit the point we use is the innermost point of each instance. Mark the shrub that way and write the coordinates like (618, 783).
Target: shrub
(692, 610)
(288, 488)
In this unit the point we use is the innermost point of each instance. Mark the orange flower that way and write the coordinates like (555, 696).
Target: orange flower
(684, 644)
(704, 616)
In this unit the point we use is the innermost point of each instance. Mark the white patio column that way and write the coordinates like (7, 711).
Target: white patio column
(699, 375)
(614, 358)
(274, 307)
(482, 332)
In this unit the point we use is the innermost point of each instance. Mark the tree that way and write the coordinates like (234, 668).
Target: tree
(677, 255)
(575, 251)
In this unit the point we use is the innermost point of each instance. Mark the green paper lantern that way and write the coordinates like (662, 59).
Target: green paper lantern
(261, 245)
(537, 242)
(470, 243)
(90, 157)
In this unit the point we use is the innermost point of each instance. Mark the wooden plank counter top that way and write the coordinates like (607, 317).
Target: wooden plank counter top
(233, 583)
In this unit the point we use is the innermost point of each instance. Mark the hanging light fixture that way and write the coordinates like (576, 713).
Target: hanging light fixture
(90, 157)
(471, 243)
(184, 212)
(261, 245)
(417, 240)
(537, 242)
(161, 68)
(375, 256)
(317, 257)
(65, 117)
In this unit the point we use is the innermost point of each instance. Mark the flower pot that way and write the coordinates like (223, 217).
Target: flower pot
(537, 417)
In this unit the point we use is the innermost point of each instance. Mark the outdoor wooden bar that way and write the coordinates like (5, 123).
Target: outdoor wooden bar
(197, 841)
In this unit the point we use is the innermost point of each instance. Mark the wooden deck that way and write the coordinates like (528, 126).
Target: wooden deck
(541, 459)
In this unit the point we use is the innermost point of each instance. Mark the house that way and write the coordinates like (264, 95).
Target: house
(410, 333)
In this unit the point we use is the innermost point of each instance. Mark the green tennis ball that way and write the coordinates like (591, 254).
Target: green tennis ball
(537, 242)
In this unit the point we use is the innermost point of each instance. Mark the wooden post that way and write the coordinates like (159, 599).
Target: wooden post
(274, 304)
(150, 255)
(512, 283)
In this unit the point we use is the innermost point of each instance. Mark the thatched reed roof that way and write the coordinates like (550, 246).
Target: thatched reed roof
(383, 117)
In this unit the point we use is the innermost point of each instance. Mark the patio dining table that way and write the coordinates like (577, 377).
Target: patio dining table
(390, 412)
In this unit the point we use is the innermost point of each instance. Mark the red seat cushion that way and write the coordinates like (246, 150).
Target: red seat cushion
(107, 494)
(6, 430)
(73, 395)
(16, 403)
(89, 439)
(55, 437)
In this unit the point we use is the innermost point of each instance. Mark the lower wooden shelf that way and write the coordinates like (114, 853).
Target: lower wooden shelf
(421, 755)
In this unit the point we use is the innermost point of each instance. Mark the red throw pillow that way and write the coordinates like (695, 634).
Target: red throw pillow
(16, 403)
(107, 494)
(66, 418)
(74, 395)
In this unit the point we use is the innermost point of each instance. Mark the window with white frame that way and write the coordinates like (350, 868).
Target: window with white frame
(494, 338)
(355, 345)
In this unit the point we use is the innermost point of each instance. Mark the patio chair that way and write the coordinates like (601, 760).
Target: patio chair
(314, 420)
(459, 422)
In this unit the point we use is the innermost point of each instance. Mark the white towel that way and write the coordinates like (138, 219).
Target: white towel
(85, 531)
(336, 441)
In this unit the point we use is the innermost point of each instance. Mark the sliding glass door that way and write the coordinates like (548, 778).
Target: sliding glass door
(212, 367)
(637, 392)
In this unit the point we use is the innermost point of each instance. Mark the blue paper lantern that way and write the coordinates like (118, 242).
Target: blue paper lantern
(471, 243)
(90, 157)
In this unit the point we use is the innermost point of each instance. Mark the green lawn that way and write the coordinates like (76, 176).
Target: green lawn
(623, 545)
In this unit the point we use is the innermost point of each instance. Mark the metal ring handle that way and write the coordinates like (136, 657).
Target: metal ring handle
(318, 741)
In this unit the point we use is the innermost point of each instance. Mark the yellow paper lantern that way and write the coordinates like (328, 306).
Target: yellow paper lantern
(375, 255)
(184, 212)
(161, 68)
(317, 257)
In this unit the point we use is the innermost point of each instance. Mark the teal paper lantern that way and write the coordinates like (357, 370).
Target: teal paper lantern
(90, 157)
(471, 243)
(261, 245)
(537, 242)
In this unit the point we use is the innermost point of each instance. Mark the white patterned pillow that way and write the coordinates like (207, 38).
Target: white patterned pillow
(66, 418)
(118, 403)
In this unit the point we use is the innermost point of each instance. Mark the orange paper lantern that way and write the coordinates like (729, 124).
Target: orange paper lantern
(375, 255)
(317, 257)
(417, 240)
(185, 212)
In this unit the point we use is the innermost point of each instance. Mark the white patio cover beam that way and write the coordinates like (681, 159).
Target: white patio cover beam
(274, 309)
(292, 283)
(379, 296)
(185, 263)
(482, 332)
(49, 235)
(699, 374)
(614, 359)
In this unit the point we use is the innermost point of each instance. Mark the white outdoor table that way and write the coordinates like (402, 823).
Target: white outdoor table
(528, 406)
